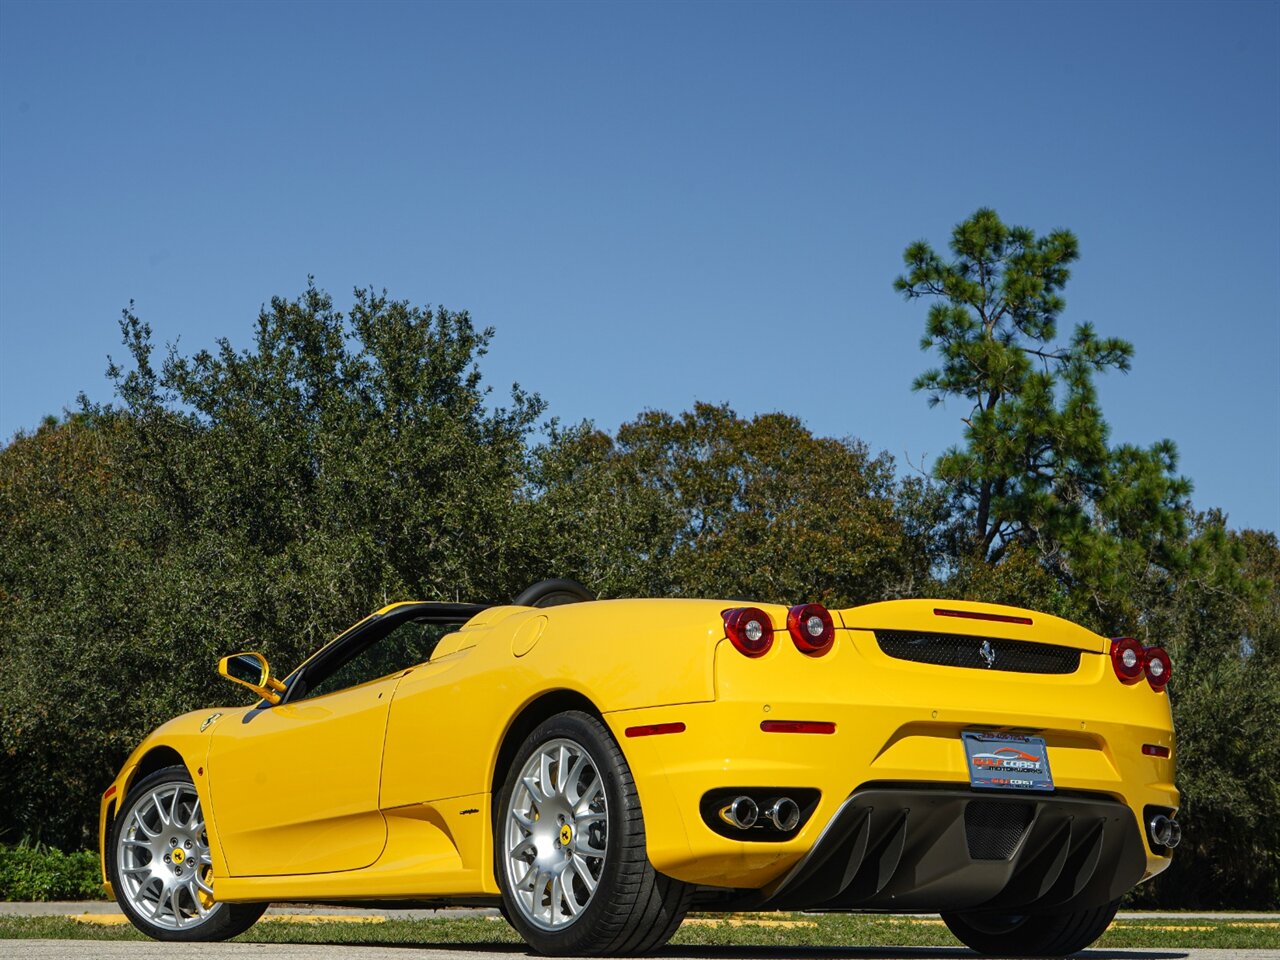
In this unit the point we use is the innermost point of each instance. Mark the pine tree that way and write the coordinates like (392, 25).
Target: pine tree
(1036, 469)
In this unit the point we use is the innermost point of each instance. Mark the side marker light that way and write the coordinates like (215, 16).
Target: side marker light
(655, 729)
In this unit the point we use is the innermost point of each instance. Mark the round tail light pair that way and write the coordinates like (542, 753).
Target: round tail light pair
(751, 632)
(1131, 661)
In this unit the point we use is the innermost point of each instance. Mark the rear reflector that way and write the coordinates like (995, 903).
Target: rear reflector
(655, 729)
(1154, 750)
(993, 617)
(797, 726)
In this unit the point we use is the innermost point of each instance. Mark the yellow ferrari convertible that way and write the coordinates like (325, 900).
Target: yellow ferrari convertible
(598, 768)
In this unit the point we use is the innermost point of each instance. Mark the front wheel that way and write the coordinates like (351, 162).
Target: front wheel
(570, 847)
(1019, 935)
(159, 864)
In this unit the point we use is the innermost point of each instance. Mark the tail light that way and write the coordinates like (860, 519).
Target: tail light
(1158, 667)
(1128, 658)
(811, 628)
(749, 630)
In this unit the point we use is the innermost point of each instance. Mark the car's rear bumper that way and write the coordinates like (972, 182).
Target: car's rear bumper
(913, 848)
(1098, 768)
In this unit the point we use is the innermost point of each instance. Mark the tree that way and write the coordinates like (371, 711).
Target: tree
(1220, 622)
(261, 498)
(708, 503)
(1036, 470)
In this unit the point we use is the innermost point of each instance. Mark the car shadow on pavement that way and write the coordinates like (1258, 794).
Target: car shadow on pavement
(885, 953)
(730, 952)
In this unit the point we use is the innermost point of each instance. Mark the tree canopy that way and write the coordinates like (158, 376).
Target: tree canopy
(708, 503)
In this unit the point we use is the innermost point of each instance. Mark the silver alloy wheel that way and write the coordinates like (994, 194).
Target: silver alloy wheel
(556, 834)
(162, 858)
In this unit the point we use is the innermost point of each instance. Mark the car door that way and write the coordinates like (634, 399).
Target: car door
(294, 787)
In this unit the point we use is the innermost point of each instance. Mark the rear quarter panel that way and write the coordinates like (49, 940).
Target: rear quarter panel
(449, 717)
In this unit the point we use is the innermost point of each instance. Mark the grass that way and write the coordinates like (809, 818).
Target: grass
(757, 930)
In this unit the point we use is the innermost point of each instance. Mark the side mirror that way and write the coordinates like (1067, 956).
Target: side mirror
(252, 670)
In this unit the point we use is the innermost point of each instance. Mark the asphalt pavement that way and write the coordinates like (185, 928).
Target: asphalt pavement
(109, 949)
(126, 950)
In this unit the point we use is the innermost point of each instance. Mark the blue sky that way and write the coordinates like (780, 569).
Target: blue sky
(656, 204)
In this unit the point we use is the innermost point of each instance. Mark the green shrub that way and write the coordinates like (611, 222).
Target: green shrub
(43, 873)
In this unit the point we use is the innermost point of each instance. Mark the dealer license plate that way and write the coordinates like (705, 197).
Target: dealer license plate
(1005, 761)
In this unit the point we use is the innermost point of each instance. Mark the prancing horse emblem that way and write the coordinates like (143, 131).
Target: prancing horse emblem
(987, 653)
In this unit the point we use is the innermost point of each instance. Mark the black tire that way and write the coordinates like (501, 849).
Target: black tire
(634, 910)
(1048, 935)
(222, 920)
(553, 593)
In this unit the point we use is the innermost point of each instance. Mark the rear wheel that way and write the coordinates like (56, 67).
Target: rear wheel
(159, 864)
(1010, 935)
(570, 847)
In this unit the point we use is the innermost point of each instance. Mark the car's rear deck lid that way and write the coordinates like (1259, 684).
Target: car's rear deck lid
(920, 630)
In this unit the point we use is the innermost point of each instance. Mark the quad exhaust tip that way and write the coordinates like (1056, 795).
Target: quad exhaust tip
(740, 812)
(1164, 831)
(784, 814)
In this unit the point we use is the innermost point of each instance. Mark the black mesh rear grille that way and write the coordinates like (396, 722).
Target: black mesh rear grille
(979, 653)
(993, 828)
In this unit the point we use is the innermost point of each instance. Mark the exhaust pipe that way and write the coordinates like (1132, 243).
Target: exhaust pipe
(784, 814)
(741, 812)
(1164, 832)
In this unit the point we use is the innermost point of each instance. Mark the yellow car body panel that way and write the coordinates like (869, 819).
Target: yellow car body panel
(295, 787)
(385, 790)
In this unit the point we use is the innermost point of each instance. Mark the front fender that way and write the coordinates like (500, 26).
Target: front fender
(185, 740)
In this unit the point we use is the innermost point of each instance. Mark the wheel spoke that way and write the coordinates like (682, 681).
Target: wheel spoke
(525, 848)
(194, 893)
(562, 769)
(583, 806)
(179, 915)
(584, 873)
(164, 818)
(554, 900)
(544, 775)
(142, 825)
(575, 774)
(196, 820)
(535, 791)
(566, 886)
(530, 880)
